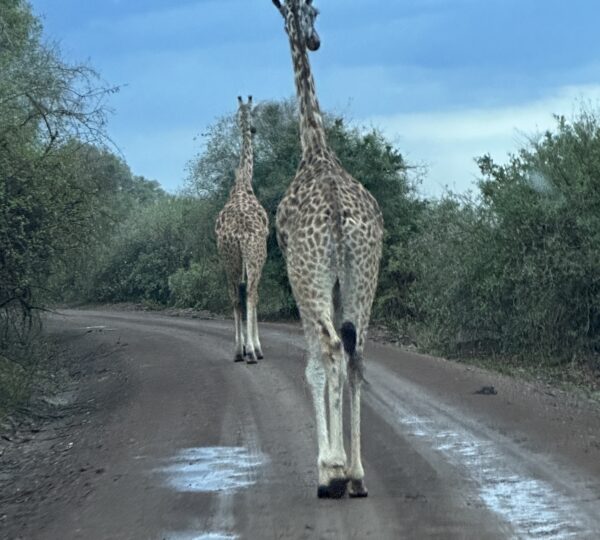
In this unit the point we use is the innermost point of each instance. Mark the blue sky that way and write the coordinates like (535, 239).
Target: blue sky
(445, 80)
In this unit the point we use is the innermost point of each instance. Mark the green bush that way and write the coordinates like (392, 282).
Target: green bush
(201, 286)
(51, 120)
(22, 353)
(516, 272)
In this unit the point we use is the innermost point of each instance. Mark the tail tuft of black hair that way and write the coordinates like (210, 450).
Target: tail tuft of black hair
(242, 297)
(355, 361)
(348, 334)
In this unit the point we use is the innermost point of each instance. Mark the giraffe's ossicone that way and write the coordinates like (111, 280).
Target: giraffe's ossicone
(242, 228)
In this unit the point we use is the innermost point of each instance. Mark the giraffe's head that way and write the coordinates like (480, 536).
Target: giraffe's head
(245, 115)
(301, 14)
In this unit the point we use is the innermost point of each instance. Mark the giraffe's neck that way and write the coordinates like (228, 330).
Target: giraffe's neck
(246, 166)
(312, 132)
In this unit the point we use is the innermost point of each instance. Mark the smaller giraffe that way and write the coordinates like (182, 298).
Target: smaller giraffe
(242, 228)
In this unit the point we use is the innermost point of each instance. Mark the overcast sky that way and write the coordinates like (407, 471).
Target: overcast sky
(446, 80)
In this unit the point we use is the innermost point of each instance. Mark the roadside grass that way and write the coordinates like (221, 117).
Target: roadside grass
(21, 363)
(581, 379)
(577, 377)
(14, 384)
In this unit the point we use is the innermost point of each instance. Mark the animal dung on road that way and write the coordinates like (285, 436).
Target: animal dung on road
(486, 391)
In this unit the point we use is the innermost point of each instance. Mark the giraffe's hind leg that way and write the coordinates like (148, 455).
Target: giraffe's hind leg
(332, 479)
(238, 318)
(312, 285)
(254, 261)
(356, 473)
(334, 467)
(251, 351)
(236, 293)
(356, 298)
(256, 338)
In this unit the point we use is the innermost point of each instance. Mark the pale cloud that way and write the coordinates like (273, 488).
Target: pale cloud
(410, 68)
(448, 141)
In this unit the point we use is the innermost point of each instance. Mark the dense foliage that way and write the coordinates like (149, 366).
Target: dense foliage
(516, 272)
(60, 191)
(509, 272)
(167, 253)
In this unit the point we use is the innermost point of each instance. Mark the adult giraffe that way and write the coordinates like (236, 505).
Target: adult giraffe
(242, 228)
(330, 230)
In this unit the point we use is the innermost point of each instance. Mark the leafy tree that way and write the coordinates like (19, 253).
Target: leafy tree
(516, 272)
(50, 112)
(155, 242)
(368, 156)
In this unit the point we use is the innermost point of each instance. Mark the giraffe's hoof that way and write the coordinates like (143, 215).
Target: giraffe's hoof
(357, 488)
(259, 355)
(251, 357)
(238, 358)
(336, 489)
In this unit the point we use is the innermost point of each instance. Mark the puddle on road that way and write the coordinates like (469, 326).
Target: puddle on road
(200, 536)
(532, 507)
(90, 329)
(212, 469)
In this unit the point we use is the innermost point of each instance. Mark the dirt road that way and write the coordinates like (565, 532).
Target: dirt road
(178, 442)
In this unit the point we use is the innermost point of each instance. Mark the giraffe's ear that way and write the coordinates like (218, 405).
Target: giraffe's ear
(281, 7)
(240, 100)
(249, 100)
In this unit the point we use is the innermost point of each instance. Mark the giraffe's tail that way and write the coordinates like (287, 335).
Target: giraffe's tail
(242, 297)
(355, 363)
(348, 335)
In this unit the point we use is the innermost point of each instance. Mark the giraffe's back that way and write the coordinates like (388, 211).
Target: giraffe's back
(242, 228)
(242, 217)
(330, 229)
(327, 198)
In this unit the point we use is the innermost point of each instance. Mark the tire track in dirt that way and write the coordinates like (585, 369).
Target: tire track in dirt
(201, 447)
